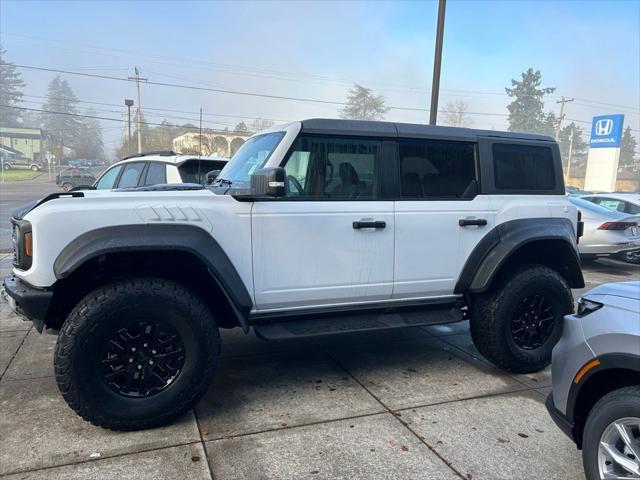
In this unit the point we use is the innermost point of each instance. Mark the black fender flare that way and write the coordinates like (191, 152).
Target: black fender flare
(148, 237)
(500, 243)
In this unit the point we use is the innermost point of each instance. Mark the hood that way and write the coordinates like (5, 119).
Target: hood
(22, 210)
(618, 289)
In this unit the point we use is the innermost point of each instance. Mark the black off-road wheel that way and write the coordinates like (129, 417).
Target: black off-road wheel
(136, 354)
(517, 323)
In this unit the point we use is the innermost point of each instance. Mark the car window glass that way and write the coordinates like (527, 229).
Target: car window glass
(523, 167)
(195, 171)
(436, 169)
(106, 181)
(333, 168)
(156, 174)
(612, 204)
(631, 208)
(130, 175)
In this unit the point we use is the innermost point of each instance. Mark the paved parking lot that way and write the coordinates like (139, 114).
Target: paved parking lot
(412, 404)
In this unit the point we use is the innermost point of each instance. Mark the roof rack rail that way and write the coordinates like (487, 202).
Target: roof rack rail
(160, 153)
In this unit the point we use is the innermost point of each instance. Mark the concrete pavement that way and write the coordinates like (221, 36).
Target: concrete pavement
(414, 404)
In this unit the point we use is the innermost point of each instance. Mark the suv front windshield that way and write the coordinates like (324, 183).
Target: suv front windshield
(253, 155)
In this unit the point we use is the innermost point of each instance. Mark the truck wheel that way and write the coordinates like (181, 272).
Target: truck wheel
(136, 354)
(611, 439)
(517, 324)
(35, 168)
(66, 187)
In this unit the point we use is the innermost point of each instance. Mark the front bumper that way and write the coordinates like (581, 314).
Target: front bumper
(559, 418)
(27, 301)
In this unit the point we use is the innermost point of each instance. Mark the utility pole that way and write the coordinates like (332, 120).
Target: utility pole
(437, 62)
(138, 79)
(561, 117)
(570, 152)
(129, 104)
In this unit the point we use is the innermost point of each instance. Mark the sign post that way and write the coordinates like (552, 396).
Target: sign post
(604, 153)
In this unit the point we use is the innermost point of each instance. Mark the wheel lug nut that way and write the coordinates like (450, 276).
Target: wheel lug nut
(131, 360)
(145, 345)
(153, 351)
(133, 349)
(139, 367)
(150, 362)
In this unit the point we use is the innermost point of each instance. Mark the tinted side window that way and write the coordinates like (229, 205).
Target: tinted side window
(333, 168)
(106, 181)
(437, 169)
(523, 167)
(156, 173)
(195, 171)
(131, 175)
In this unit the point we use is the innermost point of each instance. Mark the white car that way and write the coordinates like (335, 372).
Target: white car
(153, 168)
(313, 228)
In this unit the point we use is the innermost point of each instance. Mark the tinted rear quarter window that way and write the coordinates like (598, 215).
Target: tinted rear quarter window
(523, 167)
(430, 169)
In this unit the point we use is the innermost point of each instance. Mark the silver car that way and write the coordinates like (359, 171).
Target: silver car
(595, 397)
(606, 233)
(619, 202)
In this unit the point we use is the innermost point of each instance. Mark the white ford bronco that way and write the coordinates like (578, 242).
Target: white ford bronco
(314, 228)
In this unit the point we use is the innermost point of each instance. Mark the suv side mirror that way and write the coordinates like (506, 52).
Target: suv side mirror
(211, 176)
(269, 182)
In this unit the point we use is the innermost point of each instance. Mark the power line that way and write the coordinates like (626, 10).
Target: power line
(262, 72)
(100, 118)
(234, 92)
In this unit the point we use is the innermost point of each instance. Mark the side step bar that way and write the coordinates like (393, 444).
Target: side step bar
(317, 327)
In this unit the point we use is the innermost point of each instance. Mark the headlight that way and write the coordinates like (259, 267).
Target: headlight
(585, 307)
(22, 239)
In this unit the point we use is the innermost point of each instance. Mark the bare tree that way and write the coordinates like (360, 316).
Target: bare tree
(455, 114)
(260, 124)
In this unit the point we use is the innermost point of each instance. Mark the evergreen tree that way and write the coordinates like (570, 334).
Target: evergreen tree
(11, 85)
(363, 104)
(628, 147)
(89, 143)
(526, 110)
(241, 128)
(64, 124)
(579, 148)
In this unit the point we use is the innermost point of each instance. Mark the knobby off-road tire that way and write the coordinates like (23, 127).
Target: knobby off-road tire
(623, 403)
(493, 315)
(166, 319)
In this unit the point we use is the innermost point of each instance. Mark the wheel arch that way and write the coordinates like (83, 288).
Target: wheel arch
(166, 250)
(547, 241)
(616, 370)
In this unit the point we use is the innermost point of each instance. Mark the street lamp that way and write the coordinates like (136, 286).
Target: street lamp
(129, 104)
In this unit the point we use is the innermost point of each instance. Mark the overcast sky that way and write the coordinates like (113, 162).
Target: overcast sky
(587, 49)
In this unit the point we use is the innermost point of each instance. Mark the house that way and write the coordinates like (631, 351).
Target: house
(27, 142)
(222, 144)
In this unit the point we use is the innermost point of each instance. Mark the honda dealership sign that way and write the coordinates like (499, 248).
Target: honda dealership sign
(604, 153)
(606, 131)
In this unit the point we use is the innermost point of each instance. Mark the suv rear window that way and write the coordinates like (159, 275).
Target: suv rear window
(523, 167)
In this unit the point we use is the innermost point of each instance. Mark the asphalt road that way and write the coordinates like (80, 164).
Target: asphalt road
(14, 194)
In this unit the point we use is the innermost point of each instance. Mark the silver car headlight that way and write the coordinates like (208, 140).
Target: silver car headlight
(585, 307)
